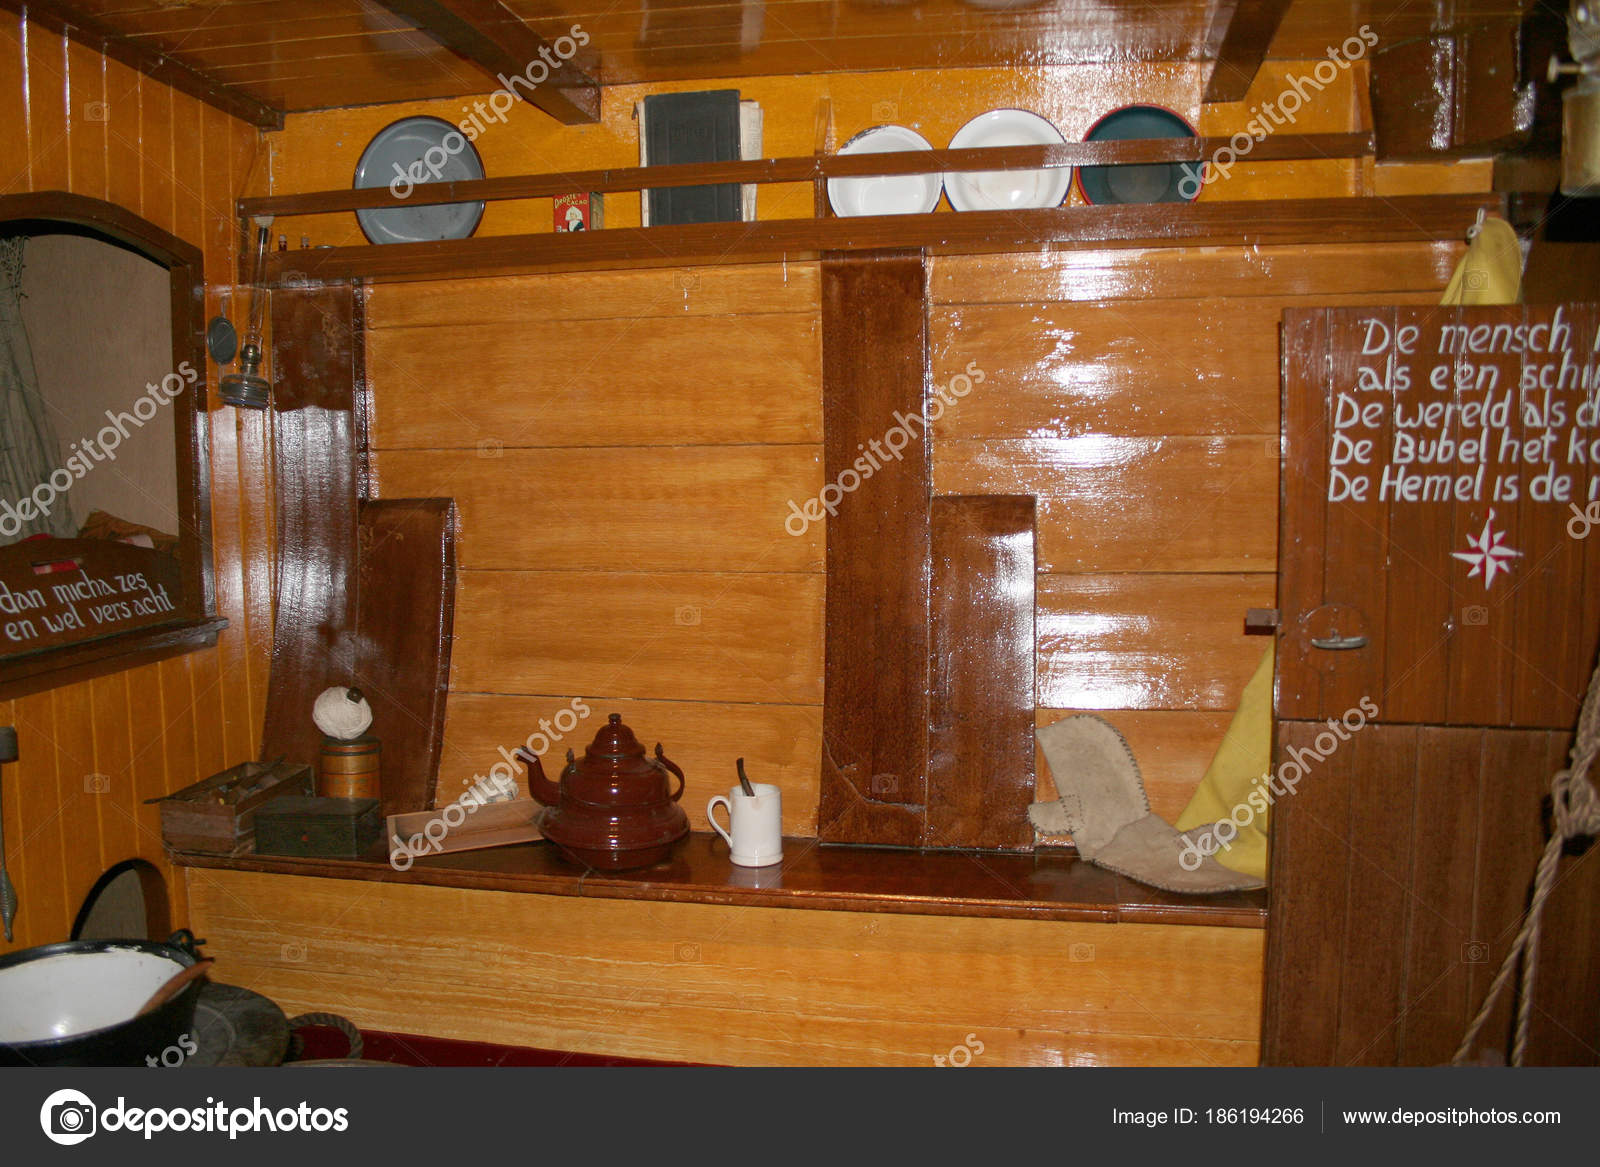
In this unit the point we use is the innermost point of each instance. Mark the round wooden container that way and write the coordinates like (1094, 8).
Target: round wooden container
(349, 769)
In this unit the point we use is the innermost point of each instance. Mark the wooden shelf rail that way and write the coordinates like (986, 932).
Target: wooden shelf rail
(1130, 152)
(1203, 224)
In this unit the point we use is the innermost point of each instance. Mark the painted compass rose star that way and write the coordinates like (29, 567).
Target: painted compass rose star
(1489, 554)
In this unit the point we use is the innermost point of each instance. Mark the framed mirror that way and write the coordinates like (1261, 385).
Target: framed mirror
(105, 538)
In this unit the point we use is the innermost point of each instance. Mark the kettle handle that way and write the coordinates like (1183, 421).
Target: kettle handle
(666, 762)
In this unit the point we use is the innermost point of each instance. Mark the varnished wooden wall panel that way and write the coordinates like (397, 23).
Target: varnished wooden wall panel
(1147, 641)
(733, 636)
(91, 753)
(1191, 274)
(1401, 866)
(742, 986)
(706, 380)
(623, 448)
(1136, 395)
(1143, 419)
(1178, 504)
(662, 508)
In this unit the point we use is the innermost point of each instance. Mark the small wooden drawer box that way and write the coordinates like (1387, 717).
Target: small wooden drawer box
(321, 828)
(217, 816)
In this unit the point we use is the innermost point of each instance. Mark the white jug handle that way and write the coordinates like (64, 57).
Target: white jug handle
(712, 818)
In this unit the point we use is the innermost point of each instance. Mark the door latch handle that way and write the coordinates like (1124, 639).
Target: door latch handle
(1337, 643)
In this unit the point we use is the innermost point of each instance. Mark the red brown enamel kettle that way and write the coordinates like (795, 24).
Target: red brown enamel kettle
(615, 809)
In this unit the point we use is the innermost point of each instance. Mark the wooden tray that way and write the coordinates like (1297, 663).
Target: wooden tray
(494, 824)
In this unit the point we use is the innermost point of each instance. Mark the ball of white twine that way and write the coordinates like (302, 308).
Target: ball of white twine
(342, 713)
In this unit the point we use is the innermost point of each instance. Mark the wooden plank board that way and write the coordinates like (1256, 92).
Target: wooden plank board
(780, 744)
(1305, 950)
(313, 363)
(110, 771)
(1330, 268)
(981, 694)
(405, 613)
(1147, 641)
(1482, 661)
(740, 985)
(1139, 367)
(675, 508)
(1511, 836)
(735, 290)
(1131, 504)
(44, 65)
(1564, 1029)
(1425, 624)
(1439, 934)
(15, 162)
(811, 168)
(86, 131)
(695, 636)
(620, 382)
(1556, 539)
(875, 714)
(36, 826)
(1145, 368)
(1355, 531)
(1378, 774)
(1271, 222)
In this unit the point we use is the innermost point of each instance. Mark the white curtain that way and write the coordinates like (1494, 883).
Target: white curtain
(28, 447)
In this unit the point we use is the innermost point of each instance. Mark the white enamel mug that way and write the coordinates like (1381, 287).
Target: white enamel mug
(756, 824)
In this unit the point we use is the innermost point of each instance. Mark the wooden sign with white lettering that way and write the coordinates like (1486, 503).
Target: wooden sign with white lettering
(1440, 546)
(55, 592)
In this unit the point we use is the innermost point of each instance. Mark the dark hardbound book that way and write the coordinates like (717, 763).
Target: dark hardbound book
(693, 127)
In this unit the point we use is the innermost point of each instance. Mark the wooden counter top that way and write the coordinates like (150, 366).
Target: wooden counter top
(1047, 885)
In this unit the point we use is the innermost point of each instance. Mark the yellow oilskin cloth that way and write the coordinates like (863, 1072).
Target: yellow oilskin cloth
(1242, 759)
(1491, 270)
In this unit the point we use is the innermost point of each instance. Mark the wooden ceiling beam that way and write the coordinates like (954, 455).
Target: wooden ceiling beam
(64, 20)
(1241, 32)
(491, 36)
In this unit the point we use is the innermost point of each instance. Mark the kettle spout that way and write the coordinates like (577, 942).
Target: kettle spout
(542, 789)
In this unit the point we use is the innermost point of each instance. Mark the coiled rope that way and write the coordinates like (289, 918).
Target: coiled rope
(1576, 813)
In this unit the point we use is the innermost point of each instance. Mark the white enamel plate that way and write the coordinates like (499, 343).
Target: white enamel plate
(890, 194)
(1007, 190)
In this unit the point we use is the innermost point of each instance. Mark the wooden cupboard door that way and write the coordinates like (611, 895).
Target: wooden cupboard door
(1438, 495)
(1401, 863)
(1437, 591)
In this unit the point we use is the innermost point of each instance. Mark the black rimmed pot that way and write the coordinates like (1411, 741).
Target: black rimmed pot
(90, 992)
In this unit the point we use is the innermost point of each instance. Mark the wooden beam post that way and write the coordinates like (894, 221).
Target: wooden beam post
(494, 38)
(316, 350)
(1241, 33)
(875, 674)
